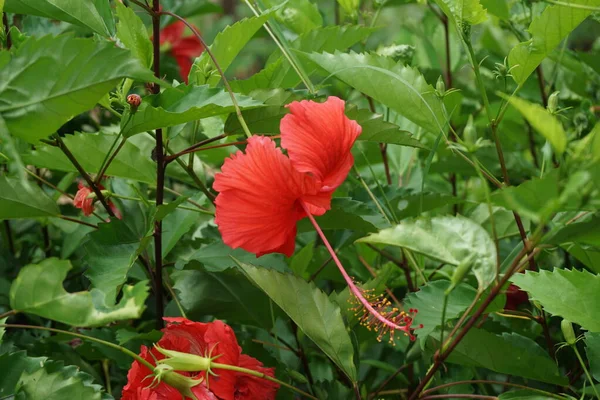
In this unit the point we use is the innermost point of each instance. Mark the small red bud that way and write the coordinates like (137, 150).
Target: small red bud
(134, 100)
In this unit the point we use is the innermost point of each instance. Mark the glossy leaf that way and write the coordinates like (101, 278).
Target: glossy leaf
(226, 294)
(585, 233)
(542, 121)
(487, 350)
(300, 16)
(38, 290)
(81, 13)
(311, 310)
(226, 46)
(571, 294)
(110, 252)
(447, 239)
(526, 56)
(78, 73)
(178, 105)
(13, 365)
(23, 199)
(132, 32)
(463, 11)
(397, 86)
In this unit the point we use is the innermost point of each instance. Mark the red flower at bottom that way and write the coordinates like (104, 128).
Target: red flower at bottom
(201, 338)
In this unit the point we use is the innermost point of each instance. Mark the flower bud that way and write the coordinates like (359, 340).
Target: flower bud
(440, 86)
(470, 133)
(567, 330)
(183, 361)
(553, 102)
(461, 270)
(183, 384)
(134, 100)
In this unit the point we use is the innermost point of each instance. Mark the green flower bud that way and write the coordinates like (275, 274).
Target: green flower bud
(470, 133)
(567, 330)
(183, 384)
(183, 361)
(553, 102)
(462, 269)
(440, 86)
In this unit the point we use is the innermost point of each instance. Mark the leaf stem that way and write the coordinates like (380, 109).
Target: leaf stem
(84, 175)
(7, 30)
(585, 370)
(197, 209)
(106, 163)
(85, 337)
(77, 221)
(238, 112)
(580, 6)
(252, 372)
(194, 147)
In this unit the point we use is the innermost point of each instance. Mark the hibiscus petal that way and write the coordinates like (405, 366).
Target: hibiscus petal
(258, 203)
(172, 33)
(249, 387)
(318, 138)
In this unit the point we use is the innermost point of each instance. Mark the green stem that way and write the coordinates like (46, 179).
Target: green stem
(480, 84)
(585, 370)
(200, 210)
(580, 6)
(364, 184)
(90, 338)
(444, 307)
(260, 375)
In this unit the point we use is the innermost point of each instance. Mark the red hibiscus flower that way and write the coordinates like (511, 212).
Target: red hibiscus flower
(515, 297)
(262, 192)
(183, 49)
(87, 205)
(200, 339)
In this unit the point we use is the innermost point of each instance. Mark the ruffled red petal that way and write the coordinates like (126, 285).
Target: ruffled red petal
(258, 201)
(81, 201)
(318, 138)
(249, 387)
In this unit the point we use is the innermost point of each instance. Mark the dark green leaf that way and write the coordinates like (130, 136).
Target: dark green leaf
(311, 310)
(571, 294)
(300, 16)
(77, 73)
(447, 239)
(181, 104)
(22, 199)
(580, 233)
(592, 350)
(524, 395)
(12, 366)
(375, 129)
(133, 34)
(39, 290)
(463, 11)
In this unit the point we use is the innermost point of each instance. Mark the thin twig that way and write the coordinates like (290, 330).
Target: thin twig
(105, 166)
(388, 380)
(7, 30)
(84, 174)
(459, 396)
(77, 221)
(489, 382)
(399, 263)
(194, 147)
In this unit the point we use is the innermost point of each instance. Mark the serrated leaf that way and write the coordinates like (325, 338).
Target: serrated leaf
(22, 199)
(571, 294)
(483, 349)
(77, 73)
(375, 129)
(300, 16)
(547, 31)
(90, 149)
(38, 289)
(132, 32)
(226, 46)
(447, 239)
(592, 350)
(463, 11)
(429, 302)
(586, 233)
(110, 252)
(81, 13)
(12, 366)
(177, 223)
(226, 294)
(57, 382)
(399, 87)
(179, 105)
(542, 121)
(311, 310)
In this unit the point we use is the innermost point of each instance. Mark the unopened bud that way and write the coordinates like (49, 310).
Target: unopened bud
(470, 133)
(440, 86)
(183, 361)
(134, 100)
(553, 102)
(461, 270)
(567, 330)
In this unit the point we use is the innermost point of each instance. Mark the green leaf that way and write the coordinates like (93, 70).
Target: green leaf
(12, 366)
(300, 16)
(526, 56)
(483, 349)
(132, 32)
(463, 11)
(448, 239)
(592, 350)
(179, 105)
(38, 289)
(499, 8)
(89, 149)
(22, 199)
(178, 223)
(226, 46)
(429, 302)
(226, 294)
(77, 73)
(313, 312)
(524, 395)
(110, 252)
(399, 87)
(338, 218)
(580, 233)
(542, 121)
(588, 255)
(375, 129)
(77, 12)
(56, 382)
(571, 294)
